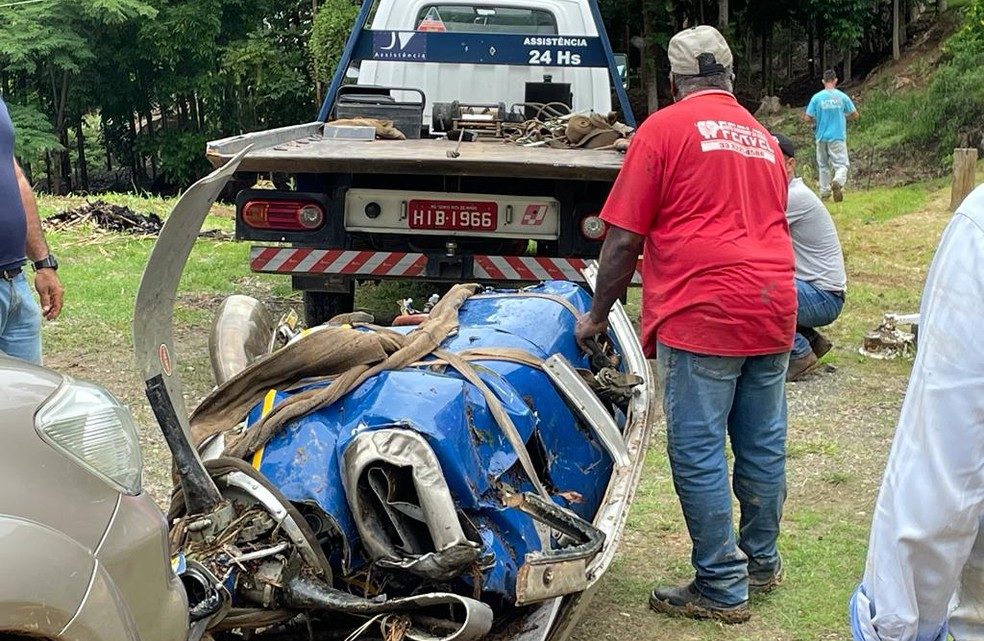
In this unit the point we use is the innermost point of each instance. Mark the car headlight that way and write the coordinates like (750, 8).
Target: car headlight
(87, 424)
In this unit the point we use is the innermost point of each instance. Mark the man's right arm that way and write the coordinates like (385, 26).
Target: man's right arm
(629, 212)
(616, 267)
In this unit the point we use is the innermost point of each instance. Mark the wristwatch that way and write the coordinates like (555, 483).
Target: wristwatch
(48, 262)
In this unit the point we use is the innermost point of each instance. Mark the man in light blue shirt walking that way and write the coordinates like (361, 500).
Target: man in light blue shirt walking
(829, 110)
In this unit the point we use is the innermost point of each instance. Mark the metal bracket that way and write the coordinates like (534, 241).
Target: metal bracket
(552, 573)
(590, 409)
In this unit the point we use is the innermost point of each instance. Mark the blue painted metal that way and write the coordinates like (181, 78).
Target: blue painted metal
(478, 48)
(304, 459)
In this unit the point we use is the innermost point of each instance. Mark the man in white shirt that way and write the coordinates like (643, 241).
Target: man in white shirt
(821, 280)
(926, 551)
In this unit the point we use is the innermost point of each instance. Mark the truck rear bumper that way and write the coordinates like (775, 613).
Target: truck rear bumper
(377, 264)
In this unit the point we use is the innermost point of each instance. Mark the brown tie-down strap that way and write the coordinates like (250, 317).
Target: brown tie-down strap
(353, 357)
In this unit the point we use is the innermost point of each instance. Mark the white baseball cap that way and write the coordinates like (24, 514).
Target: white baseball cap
(699, 51)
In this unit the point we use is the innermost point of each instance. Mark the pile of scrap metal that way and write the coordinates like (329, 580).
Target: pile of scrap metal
(468, 477)
(530, 125)
(569, 131)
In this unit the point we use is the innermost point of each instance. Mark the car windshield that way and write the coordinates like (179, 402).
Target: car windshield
(466, 18)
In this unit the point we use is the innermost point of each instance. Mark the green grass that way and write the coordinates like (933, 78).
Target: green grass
(101, 273)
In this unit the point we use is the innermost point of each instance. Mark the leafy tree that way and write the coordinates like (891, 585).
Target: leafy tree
(332, 24)
(50, 43)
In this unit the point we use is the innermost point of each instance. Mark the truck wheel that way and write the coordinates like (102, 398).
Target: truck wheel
(320, 307)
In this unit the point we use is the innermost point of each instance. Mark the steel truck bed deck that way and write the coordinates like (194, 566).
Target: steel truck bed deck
(303, 149)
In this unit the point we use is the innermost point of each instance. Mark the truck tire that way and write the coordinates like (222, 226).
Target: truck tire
(320, 307)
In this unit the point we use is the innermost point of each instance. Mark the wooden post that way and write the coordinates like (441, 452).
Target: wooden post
(964, 164)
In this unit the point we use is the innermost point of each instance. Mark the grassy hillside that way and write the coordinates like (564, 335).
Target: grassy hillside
(914, 111)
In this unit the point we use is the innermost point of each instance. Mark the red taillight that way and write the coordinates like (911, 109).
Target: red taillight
(283, 215)
(593, 228)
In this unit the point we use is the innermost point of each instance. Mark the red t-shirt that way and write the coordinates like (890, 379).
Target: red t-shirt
(705, 183)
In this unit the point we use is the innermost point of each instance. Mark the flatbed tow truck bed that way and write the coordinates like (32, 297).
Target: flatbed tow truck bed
(303, 149)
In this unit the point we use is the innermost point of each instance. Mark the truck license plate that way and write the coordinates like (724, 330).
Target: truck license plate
(451, 215)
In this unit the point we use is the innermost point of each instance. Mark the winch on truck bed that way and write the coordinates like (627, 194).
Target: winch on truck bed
(436, 206)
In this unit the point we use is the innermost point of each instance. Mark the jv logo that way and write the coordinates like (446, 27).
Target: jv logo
(399, 45)
(404, 38)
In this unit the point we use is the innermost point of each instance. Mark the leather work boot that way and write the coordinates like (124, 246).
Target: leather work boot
(686, 601)
(820, 344)
(798, 367)
(838, 190)
(764, 582)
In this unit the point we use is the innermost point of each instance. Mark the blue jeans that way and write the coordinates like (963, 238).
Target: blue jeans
(20, 320)
(817, 307)
(706, 398)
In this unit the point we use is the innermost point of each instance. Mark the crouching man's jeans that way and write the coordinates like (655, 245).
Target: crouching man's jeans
(20, 320)
(704, 398)
(817, 307)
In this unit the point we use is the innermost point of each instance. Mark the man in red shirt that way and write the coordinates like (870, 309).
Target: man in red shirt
(703, 194)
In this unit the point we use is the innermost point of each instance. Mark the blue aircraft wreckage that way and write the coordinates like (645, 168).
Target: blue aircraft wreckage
(465, 474)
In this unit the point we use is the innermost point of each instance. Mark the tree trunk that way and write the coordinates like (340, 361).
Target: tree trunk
(650, 78)
(199, 112)
(82, 167)
(109, 153)
(789, 56)
(317, 82)
(848, 56)
(896, 36)
(195, 118)
(964, 162)
(48, 172)
(822, 46)
(149, 116)
(811, 52)
(723, 14)
(137, 165)
(771, 85)
(65, 163)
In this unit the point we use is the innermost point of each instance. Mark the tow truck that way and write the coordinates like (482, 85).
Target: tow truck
(505, 209)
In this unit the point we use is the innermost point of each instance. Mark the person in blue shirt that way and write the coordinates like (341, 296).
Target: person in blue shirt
(22, 240)
(829, 110)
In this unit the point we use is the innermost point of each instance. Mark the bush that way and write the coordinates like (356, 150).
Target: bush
(331, 27)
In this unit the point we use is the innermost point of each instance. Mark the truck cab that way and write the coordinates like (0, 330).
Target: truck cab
(543, 21)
